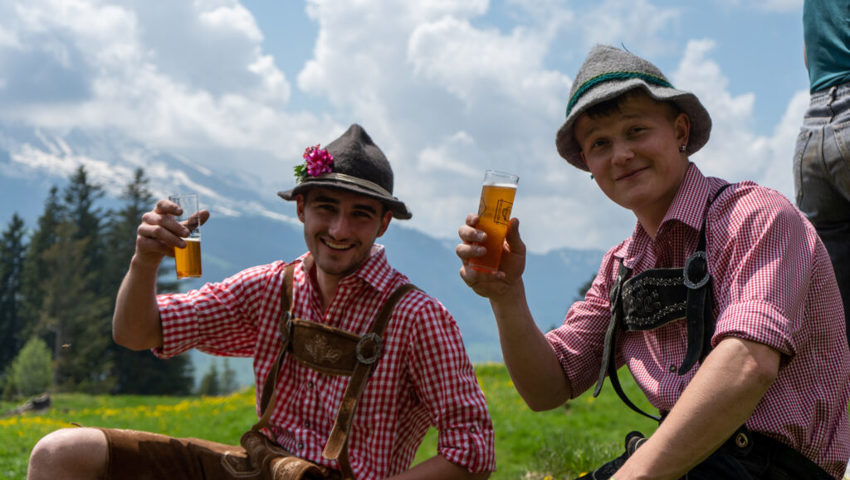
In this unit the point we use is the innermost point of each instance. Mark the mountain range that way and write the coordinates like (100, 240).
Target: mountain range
(247, 228)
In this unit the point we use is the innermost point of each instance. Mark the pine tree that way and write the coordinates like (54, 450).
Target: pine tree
(12, 251)
(210, 383)
(74, 316)
(228, 378)
(80, 197)
(140, 372)
(34, 268)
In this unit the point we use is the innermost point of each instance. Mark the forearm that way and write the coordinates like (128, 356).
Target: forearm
(438, 467)
(135, 322)
(530, 359)
(719, 399)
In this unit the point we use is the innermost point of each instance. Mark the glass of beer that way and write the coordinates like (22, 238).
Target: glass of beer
(188, 259)
(494, 215)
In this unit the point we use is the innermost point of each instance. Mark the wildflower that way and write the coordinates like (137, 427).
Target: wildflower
(317, 161)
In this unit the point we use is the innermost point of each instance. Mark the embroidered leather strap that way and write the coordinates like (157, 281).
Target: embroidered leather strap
(367, 352)
(699, 316)
(609, 362)
(337, 444)
(269, 395)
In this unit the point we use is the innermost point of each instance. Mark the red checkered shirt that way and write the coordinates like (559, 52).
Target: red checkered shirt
(424, 377)
(772, 283)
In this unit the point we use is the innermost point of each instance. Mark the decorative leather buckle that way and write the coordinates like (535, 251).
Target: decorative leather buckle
(360, 343)
(699, 255)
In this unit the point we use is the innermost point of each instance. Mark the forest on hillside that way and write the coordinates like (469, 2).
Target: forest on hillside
(58, 281)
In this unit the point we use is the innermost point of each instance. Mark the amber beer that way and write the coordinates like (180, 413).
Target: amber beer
(494, 215)
(188, 259)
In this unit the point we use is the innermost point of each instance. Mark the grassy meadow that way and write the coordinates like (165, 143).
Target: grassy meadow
(557, 444)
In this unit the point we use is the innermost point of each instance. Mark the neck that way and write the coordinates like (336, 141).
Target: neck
(326, 284)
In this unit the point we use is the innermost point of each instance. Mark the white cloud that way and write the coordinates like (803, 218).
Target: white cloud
(735, 152)
(446, 88)
(638, 24)
(177, 80)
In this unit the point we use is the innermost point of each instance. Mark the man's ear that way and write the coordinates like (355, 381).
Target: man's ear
(299, 207)
(385, 222)
(682, 126)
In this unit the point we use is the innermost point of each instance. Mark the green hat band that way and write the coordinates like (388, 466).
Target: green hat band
(605, 77)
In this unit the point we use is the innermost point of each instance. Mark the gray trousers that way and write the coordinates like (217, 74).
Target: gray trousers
(822, 178)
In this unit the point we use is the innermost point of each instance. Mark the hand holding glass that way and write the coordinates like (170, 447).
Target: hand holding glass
(494, 216)
(188, 259)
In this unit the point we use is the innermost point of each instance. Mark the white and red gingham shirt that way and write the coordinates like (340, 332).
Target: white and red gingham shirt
(772, 282)
(423, 378)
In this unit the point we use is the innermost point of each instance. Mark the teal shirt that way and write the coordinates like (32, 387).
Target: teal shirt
(826, 31)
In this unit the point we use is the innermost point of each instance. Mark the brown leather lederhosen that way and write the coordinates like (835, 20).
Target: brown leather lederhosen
(328, 350)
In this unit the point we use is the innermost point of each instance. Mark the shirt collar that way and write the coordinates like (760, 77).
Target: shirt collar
(688, 207)
(375, 271)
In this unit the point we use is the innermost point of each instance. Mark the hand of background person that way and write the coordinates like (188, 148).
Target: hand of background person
(511, 267)
(160, 232)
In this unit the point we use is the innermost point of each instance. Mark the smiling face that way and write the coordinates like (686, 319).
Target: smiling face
(340, 228)
(632, 150)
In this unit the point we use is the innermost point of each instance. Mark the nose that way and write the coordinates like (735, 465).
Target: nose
(339, 227)
(622, 152)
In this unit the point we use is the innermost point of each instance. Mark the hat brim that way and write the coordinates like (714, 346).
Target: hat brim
(687, 102)
(396, 206)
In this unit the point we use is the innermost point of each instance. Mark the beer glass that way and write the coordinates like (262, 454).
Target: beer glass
(494, 215)
(188, 259)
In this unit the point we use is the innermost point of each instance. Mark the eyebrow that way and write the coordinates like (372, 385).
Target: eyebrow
(335, 201)
(625, 116)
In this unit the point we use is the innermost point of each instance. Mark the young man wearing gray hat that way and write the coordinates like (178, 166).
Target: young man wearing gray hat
(722, 303)
(353, 364)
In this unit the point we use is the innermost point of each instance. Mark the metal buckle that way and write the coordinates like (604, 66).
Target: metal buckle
(742, 440)
(357, 350)
(700, 255)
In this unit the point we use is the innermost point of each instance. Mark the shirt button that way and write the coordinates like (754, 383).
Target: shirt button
(307, 424)
(300, 445)
(310, 385)
(472, 429)
(673, 368)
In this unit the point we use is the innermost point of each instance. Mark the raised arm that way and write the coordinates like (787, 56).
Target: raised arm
(135, 322)
(531, 362)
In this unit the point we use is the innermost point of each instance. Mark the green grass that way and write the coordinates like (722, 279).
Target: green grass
(560, 443)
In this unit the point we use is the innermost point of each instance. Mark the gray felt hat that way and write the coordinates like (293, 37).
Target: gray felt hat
(609, 72)
(358, 166)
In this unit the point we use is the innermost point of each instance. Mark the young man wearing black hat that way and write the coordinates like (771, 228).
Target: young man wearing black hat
(722, 303)
(353, 365)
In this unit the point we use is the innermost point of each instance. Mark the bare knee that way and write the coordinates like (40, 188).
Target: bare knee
(71, 453)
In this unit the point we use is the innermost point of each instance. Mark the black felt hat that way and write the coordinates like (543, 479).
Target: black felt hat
(358, 166)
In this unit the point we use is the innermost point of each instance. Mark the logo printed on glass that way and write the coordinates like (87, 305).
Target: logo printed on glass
(502, 214)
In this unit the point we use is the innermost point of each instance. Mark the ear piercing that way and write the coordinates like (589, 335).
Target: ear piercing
(682, 148)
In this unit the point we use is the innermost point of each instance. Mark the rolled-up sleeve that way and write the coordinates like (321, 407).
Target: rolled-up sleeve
(445, 381)
(766, 276)
(218, 318)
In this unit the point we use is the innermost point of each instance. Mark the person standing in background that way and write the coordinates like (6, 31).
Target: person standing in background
(822, 152)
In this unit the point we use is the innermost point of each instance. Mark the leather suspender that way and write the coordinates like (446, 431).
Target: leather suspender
(368, 352)
(699, 317)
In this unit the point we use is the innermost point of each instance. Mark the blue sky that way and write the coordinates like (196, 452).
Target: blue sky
(447, 88)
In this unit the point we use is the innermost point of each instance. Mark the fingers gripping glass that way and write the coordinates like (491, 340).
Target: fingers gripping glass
(494, 215)
(188, 259)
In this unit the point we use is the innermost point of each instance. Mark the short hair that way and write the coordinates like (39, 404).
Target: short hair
(611, 106)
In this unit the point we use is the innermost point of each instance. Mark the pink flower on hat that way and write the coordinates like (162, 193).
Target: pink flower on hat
(317, 161)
